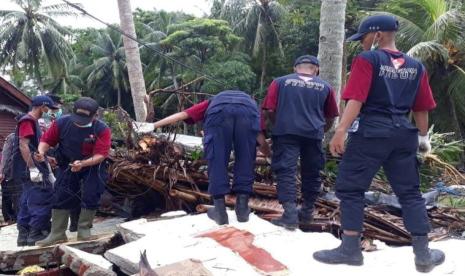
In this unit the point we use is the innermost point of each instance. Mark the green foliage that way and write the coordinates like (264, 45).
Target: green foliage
(234, 72)
(118, 128)
(24, 34)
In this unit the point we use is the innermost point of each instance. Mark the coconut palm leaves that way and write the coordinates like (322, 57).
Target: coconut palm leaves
(32, 39)
(432, 31)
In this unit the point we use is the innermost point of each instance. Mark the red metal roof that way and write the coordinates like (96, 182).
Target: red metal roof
(14, 92)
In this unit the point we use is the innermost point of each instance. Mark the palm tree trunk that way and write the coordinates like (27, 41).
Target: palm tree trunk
(331, 45)
(118, 103)
(131, 49)
(262, 78)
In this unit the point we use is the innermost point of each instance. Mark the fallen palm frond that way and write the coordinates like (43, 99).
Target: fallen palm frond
(163, 166)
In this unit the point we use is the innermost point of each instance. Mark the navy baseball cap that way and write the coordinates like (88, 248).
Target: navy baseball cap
(43, 100)
(84, 110)
(375, 23)
(306, 59)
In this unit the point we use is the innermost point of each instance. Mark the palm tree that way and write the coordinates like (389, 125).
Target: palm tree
(432, 31)
(256, 20)
(331, 43)
(109, 71)
(136, 77)
(33, 40)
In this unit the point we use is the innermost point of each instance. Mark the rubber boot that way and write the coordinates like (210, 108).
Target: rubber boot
(85, 223)
(59, 225)
(218, 213)
(36, 235)
(349, 252)
(242, 207)
(306, 214)
(426, 259)
(289, 219)
(23, 232)
(74, 218)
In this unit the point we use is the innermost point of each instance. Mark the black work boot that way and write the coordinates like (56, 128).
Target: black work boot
(242, 207)
(306, 214)
(74, 218)
(349, 252)
(426, 259)
(218, 213)
(289, 219)
(36, 235)
(23, 232)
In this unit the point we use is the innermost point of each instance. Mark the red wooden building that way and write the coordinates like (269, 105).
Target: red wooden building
(13, 102)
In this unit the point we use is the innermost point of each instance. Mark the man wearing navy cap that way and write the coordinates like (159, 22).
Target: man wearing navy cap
(33, 220)
(300, 107)
(82, 145)
(385, 85)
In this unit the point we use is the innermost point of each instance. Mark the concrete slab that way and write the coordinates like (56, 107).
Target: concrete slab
(175, 240)
(85, 264)
(13, 258)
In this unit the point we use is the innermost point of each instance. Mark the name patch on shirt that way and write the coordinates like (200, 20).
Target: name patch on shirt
(391, 72)
(308, 84)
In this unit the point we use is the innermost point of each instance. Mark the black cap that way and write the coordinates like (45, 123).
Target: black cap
(375, 23)
(306, 59)
(43, 100)
(84, 110)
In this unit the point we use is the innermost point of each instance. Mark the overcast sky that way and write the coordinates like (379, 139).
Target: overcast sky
(107, 10)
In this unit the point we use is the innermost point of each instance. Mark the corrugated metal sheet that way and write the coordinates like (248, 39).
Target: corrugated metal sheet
(7, 125)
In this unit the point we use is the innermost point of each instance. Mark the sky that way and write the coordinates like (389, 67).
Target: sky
(107, 10)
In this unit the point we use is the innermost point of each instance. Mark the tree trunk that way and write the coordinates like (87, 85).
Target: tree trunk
(131, 49)
(331, 46)
(118, 103)
(262, 78)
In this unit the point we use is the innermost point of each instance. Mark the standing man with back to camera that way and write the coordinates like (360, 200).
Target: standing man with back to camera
(385, 85)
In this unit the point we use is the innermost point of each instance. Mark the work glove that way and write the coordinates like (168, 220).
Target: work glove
(143, 127)
(424, 144)
(35, 175)
(51, 176)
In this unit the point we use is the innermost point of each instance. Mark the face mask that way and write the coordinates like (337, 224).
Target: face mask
(57, 114)
(47, 115)
(374, 45)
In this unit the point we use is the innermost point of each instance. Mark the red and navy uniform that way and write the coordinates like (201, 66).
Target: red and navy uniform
(34, 208)
(77, 143)
(390, 85)
(302, 104)
(230, 120)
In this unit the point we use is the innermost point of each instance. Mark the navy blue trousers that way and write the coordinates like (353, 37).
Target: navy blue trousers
(286, 152)
(82, 188)
(364, 156)
(35, 205)
(229, 126)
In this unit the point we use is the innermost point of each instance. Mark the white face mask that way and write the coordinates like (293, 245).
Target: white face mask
(374, 45)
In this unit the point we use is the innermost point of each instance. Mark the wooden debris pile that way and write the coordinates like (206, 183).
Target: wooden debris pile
(183, 182)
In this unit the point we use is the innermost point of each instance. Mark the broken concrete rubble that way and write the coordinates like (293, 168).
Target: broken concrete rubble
(85, 264)
(177, 239)
(13, 258)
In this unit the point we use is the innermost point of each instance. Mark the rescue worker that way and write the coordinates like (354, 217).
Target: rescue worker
(33, 220)
(82, 145)
(300, 107)
(230, 120)
(45, 124)
(10, 191)
(385, 85)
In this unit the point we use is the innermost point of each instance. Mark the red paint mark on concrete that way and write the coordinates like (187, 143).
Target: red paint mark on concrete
(82, 269)
(241, 242)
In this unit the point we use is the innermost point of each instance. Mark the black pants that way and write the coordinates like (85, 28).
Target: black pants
(286, 152)
(10, 199)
